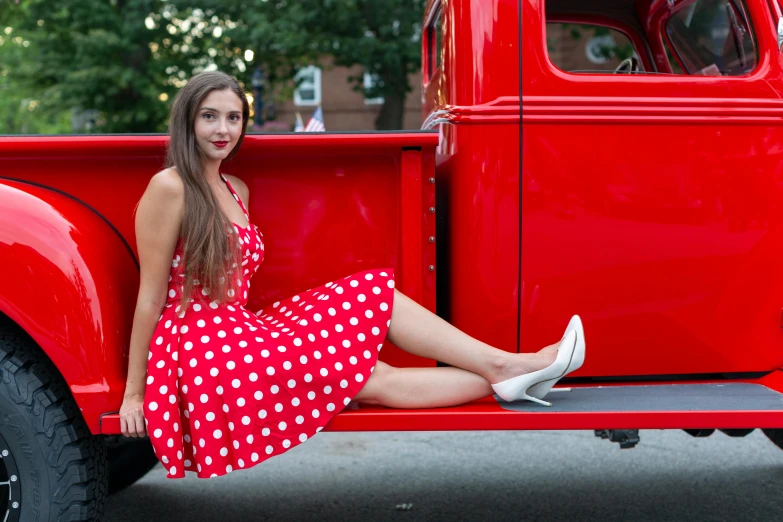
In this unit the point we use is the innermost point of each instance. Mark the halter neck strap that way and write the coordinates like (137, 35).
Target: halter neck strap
(236, 196)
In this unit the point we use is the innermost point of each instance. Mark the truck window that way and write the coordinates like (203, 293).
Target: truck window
(672, 37)
(581, 48)
(713, 38)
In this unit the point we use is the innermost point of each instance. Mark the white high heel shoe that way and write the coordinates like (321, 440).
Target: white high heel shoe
(541, 389)
(517, 388)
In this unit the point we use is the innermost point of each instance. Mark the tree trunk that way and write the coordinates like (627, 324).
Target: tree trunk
(392, 112)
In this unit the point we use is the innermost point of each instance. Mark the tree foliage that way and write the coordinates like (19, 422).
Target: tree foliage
(384, 39)
(98, 55)
(123, 60)
(381, 38)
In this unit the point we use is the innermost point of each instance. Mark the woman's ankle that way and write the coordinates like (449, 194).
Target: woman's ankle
(500, 367)
(509, 365)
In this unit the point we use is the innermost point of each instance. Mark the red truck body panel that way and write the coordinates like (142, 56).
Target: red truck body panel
(631, 189)
(652, 206)
(68, 281)
(328, 205)
(648, 204)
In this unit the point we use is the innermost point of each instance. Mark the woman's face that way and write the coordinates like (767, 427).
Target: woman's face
(218, 124)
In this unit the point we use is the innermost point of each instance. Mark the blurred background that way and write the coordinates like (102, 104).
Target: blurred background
(114, 66)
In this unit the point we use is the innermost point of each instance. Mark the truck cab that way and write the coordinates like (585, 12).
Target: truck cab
(625, 165)
(618, 159)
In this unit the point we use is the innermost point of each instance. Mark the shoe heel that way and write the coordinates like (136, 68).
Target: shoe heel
(535, 399)
(527, 395)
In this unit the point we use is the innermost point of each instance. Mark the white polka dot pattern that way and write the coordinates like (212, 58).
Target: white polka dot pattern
(228, 388)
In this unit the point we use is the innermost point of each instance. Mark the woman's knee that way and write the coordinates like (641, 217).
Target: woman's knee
(376, 389)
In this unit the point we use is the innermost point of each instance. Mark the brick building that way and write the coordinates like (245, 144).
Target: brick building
(344, 109)
(571, 48)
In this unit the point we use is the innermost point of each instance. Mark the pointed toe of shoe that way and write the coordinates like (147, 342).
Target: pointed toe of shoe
(575, 325)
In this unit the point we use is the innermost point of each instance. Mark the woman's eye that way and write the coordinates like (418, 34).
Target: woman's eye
(235, 117)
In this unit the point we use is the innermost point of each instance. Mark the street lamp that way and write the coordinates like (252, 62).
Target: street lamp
(257, 80)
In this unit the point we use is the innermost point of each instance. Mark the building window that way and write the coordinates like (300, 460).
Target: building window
(308, 90)
(370, 82)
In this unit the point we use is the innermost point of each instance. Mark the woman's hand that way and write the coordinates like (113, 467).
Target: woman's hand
(132, 416)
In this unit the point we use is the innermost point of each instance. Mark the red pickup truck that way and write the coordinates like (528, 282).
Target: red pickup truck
(632, 175)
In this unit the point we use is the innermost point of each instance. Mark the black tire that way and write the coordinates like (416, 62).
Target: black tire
(60, 468)
(737, 432)
(129, 460)
(775, 435)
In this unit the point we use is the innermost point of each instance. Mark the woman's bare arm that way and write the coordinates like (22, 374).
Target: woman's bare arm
(158, 224)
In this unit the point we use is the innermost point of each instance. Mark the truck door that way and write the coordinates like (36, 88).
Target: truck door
(652, 164)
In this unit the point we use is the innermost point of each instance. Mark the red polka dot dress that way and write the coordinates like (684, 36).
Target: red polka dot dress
(228, 388)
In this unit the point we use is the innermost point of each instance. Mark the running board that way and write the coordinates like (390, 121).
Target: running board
(660, 406)
(666, 406)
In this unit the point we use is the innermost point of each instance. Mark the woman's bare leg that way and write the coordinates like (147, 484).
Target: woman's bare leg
(475, 364)
(421, 387)
(418, 331)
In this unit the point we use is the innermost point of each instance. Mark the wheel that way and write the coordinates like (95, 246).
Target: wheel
(129, 460)
(738, 432)
(51, 468)
(775, 435)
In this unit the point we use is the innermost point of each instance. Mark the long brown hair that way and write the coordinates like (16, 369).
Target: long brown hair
(211, 253)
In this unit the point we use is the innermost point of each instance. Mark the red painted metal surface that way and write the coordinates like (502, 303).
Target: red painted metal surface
(68, 281)
(648, 204)
(473, 99)
(417, 235)
(328, 205)
(652, 207)
(487, 414)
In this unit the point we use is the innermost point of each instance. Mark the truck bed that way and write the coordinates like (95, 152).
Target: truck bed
(329, 205)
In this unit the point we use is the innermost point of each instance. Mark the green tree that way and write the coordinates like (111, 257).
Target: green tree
(123, 60)
(244, 35)
(383, 38)
(117, 58)
(20, 108)
(607, 50)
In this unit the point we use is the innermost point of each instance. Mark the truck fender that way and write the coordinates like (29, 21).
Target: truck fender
(70, 281)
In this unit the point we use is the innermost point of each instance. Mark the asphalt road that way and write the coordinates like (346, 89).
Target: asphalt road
(475, 476)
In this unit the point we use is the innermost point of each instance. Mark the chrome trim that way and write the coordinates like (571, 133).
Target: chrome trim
(780, 33)
(11, 489)
(434, 118)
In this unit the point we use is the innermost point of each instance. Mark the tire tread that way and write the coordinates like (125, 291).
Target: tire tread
(76, 458)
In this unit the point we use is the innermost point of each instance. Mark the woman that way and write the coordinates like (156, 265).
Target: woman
(219, 388)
